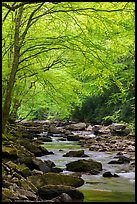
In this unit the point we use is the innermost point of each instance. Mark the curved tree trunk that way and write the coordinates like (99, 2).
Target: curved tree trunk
(15, 63)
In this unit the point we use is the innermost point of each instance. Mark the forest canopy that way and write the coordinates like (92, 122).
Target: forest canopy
(68, 60)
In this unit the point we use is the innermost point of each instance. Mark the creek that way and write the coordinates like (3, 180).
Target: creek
(96, 187)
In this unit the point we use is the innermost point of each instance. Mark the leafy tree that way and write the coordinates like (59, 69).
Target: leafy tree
(55, 55)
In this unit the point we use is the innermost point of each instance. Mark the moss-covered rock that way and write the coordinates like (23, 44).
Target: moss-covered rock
(9, 152)
(52, 191)
(8, 194)
(45, 139)
(31, 146)
(56, 179)
(83, 165)
(28, 194)
(45, 151)
(6, 200)
(22, 169)
(27, 185)
(79, 153)
(56, 170)
(24, 155)
(8, 137)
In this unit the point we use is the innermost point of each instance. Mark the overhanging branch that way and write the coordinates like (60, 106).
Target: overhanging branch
(13, 7)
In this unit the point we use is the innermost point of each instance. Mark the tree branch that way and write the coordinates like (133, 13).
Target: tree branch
(34, 55)
(83, 9)
(30, 20)
(13, 8)
(8, 12)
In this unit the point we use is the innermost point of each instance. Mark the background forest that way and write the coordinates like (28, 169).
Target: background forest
(68, 60)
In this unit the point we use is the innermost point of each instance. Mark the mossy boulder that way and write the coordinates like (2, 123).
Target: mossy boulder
(9, 152)
(8, 194)
(17, 193)
(52, 191)
(29, 195)
(27, 185)
(24, 155)
(56, 170)
(31, 146)
(56, 179)
(7, 137)
(6, 200)
(26, 160)
(22, 169)
(83, 165)
(45, 151)
(45, 139)
(79, 153)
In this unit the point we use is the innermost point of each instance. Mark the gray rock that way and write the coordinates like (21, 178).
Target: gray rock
(122, 160)
(119, 129)
(117, 126)
(89, 128)
(76, 126)
(65, 197)
(40, 165)
(55, 130)
(96, 129)
(50, 163)
(30, 195)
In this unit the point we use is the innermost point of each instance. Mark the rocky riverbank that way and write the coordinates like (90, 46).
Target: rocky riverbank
(26, 178)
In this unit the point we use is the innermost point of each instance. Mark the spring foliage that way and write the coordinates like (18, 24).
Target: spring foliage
(69, 52)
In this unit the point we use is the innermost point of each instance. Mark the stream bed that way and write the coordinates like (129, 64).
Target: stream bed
(96, 187)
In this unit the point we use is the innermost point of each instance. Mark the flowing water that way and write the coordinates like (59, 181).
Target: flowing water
(96, 188)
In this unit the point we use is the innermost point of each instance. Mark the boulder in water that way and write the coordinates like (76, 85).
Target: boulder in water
(73, 138)
(122, 160)
(76, 126)
(79, 153)
(40, 165)
(56, 179)
(109, 174)
(83, 165)
(52, 191)
(55, 130)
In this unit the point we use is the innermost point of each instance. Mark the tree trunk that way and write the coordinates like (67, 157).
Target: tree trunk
(15, 62)
(13, 114)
